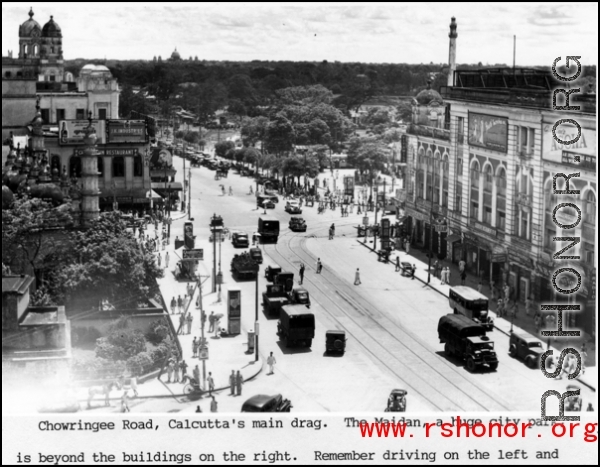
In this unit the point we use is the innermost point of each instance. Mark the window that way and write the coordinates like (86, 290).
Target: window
(488, 179)
(459, 167)
(80, 114)
(445, 168)
(138, 167)
(100, 166)
(589, 208)
(458, 207)
(75, 167)
(526, 140)
(500, 220)
(549, 240)
(588, 255)
(420, 184)
(474, 210)
(524, 230)
(46, 115)
(102, 114)
(487, 215)
(118, 167)
(8, 74)
(60, 115)
(52, 78)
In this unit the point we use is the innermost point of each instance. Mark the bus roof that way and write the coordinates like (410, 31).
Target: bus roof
(268, 219)
(468, 293)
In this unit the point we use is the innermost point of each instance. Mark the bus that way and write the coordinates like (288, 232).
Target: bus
(472, 304)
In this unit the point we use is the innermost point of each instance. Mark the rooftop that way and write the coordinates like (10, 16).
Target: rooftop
(16, 284)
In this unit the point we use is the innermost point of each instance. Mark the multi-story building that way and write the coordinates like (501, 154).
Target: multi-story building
(481, 158)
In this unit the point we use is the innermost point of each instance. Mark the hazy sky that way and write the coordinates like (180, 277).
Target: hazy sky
(334, 31)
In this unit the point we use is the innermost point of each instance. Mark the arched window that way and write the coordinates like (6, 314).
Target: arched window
(36, 50)
(75, 167)
(420, 183)
(100, 166)
(474, 213)
(118, 167)
(445, 170)
(437, 168)
(8, 74)
(589, 208)
(138, 167)
(501, 199)
(524, 195)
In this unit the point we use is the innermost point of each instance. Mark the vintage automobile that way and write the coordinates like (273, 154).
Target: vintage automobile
(573, 403)
(256, 255)
(271, 272)
(396, 401)
(265, 201)
(262, 403)
(335, 341)
(297, 224)
(526, 348)
(240, 240)
(301, 296)
(293, 207)
(273, 194)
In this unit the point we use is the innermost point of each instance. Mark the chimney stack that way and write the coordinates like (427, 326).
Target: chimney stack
(452, 54)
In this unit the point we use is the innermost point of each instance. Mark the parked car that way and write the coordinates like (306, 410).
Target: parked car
(293, 207)
(240, 240)
(396, 401)
(262, 403)
(297, 224)
(256, 255)
(526, 348)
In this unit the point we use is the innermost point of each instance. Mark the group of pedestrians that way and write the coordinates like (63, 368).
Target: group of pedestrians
(176, 370)
(180, 305)
(185, 323)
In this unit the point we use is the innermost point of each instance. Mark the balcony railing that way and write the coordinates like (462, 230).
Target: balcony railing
(525, 154)
(431, 132)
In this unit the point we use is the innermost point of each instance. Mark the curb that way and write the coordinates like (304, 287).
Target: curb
(588, 385)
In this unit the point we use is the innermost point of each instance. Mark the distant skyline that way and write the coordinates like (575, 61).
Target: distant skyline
(333, 31)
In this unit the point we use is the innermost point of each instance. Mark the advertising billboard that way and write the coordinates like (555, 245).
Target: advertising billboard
(488, 132)
(71, 132)
(126, 131)
(580, 153)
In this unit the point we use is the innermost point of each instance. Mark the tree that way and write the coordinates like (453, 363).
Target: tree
(371, 157)
(223, 147)
(254, 130)
(103, 262)
(280, 135)
(305, 95)
(192, 137)
(121, 345)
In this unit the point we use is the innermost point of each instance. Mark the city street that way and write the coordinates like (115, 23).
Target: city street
(390, 320)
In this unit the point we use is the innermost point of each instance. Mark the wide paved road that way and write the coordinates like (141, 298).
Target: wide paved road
(390, 320)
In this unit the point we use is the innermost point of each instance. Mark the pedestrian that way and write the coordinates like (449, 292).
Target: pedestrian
(436, 269)
(583, 355)
(448, 274)
(407, 246)
(319, 266)
(463, 277)
(333, 228)
(211, 383)
(443, 276)
(198, 409)
(159, 261)
(190, 320)
(186, 302)
(461, 265)
(181, 329)
(506, 291)
(590, 407)
(232, 383)
(184, 366)
(213, 405)
(173, 305)
(302, 273)
(196, 375)
(170, 370)
(412, 272)
(195, 347)
(176, 369)
(125, 401)
(537, 320)
(211, 321)
(500, 308)
(271, 362)
(179, 304)
(202, 319)
(357, 277)
(479, 286)
(528, 306)
(239, 381)
(133, 383)
(397, 263)
(492, 290)
(330, 234)
(230, 191)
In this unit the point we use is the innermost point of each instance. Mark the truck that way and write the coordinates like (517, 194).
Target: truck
(296, 325)
(465, 339)
(274, 299)
(472, 304)
(268, 228)
(286, 280)
(244, 268)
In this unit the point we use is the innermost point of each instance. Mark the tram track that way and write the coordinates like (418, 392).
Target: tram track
(398, 350)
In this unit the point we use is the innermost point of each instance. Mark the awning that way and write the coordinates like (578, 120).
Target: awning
(453, 238)
(161, 187)
(498, 255)
(402, 220)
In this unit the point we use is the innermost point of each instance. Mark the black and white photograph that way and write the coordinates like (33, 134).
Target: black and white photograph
(216, 209)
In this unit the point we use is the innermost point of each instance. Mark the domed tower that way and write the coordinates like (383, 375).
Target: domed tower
(429, 109)
(90, 203)
(175, 55)
(30, 38)
(51, 40)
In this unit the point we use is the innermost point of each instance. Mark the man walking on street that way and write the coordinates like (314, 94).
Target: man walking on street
(412, 272)
(159, 261)
(195, 347)
(397, 263)
(167, 260)
(271, 362)
(184, 367)
(170, 369)
(357, 277)
(232, 383)
(463, 277)
(179, 304)
(173, 305)
(301, 273)
(239, 381)
(176, 368)
(461, 265)
(190, 320)
(211, 383)
(211, 322)
(319, 266)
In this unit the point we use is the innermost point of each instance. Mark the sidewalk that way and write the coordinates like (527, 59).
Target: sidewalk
(521, 323)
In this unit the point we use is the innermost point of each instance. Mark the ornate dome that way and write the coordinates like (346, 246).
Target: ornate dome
(175, 55)
(28, 27)
(429, 96)
(51, 29)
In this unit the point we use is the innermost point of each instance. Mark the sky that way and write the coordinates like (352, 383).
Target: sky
(334, 31)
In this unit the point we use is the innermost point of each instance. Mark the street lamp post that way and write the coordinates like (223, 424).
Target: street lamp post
(189, 206)
(256, 326)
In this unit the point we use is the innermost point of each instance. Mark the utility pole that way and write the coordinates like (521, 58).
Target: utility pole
(200, 305)
(190, 194)
(256, 326)
(184, 190)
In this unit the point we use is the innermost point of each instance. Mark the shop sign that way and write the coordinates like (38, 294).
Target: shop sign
(126, 131)
(488, 131)
(518, 258)
(110, 152)
(417, 215)
(484, 228)
(72, 132)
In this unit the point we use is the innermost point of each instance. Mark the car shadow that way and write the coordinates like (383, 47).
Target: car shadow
(454, 360)
(292, 350)
(333, 354)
